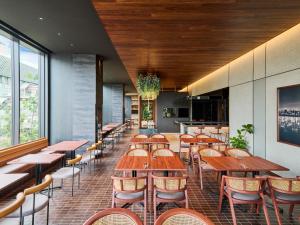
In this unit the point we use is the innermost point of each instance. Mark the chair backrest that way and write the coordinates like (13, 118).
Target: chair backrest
(137, 152)
(140, 146)
(224, 130)
(236, 152)
(243, 184)
(202, 136)
(207, 130)
(196, 148)
(91, 148)
(186, 136)
(140, 136)
(13, 206)
(158, 136)
(162, 152)
(284, 185)
(170, 184)
(129, 184)
(74, 161)
(210, 152)
(115, 216)
(37, 188)
(219, 146)
(181, 216)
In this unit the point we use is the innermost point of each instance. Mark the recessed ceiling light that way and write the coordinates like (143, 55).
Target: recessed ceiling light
(41, 18)
(72, 45)
(59, 34)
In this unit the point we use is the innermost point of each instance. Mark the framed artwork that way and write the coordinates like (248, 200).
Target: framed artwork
(288, 115)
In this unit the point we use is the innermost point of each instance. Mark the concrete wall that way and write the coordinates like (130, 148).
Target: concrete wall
(113, 103)
(253, 80)
(72, 99)
(170, 100)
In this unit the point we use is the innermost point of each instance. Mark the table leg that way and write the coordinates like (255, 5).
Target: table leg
(166, 173)
(38, 173)
(134, 173)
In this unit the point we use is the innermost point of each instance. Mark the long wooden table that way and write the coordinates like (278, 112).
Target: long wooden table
(149, 140)
(201, 140)
(150, 164)
(243, 164)
(67, 146)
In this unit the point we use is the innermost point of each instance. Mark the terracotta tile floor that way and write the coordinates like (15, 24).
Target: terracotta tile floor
(96, 188)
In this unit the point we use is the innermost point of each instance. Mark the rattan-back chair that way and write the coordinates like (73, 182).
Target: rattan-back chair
(169, 189)
(237, 153)
(158, 146)
(284, 191)
(203, 166)
(202, 136)
(130, 190)
(243, 190)
(158, 136)
(116, 216)
(12, 207)
(182, 217)
(184, 147)
(162, 152)
(137, 152)
(143, 146)
(140, 136)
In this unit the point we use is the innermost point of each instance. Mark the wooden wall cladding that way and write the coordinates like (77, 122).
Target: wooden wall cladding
(185, 40)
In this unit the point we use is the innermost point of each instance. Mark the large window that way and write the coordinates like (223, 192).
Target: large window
(22, 91)
(6, 46)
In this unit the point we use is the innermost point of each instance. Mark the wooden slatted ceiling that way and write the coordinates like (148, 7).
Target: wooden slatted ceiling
(186, 40)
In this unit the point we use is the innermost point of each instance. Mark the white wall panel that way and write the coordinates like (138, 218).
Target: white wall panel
(259, 62)
(241, 108)
(283, 52)
(241, 70)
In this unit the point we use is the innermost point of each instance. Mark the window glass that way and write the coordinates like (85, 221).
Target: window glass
(29, 94)
(6, 46)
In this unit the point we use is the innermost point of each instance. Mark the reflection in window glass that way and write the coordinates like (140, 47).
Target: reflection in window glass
(29, 94)
(5, 91)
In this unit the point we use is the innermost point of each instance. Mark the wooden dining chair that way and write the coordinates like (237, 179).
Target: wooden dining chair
(35, 201)
(138, 146)
(284, 191)
(208, 130)
(184, 147)
(12, 207)
(159, 145)
(243, 190)
(222, 147)
(137, 152)
(162, 152)
(129, 190)
(182, 217)
(169, 189)
(71, 171)
(203, 166)
(116, 216)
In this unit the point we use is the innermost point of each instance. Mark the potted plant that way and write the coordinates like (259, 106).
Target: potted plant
(240, 141)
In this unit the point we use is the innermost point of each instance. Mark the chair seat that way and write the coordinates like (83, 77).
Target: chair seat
(287, 197)
(65, 172)
(9, 221)
(170, 195)
(87, 158)
(129, 196)
(244, 197)
(41, 202)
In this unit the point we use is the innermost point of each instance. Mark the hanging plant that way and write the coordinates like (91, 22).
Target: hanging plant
(148, 86)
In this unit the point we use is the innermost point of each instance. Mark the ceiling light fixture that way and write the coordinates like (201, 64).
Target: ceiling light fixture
(41, 18)
(72, 45)
(59, 34)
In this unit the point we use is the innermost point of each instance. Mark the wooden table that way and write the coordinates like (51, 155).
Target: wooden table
(150, 164)
(244, 164)
(201, 140)
(10, 178)
(67, 146)
(149, 140)
(38, 160)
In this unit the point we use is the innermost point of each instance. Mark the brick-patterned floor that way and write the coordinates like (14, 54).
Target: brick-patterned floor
(95, 195)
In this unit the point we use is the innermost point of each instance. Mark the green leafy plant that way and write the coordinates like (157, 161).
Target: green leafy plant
(148, 86)
(240, 140)
(147, 115)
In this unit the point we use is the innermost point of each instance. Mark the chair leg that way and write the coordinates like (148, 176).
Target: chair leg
(291, 209)
(220, 201)
(186, 200)
(52, 189)
(277, 213)
(78, 181)
(232, 211)
(154, 205)
(48, 213)
(72, 184)
(266, 212)
(145, 207)
(200, 174)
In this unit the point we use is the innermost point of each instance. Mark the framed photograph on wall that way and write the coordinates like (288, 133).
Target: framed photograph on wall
(288, 115)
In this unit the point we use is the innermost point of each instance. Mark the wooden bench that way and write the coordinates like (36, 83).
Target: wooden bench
(17, 151)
